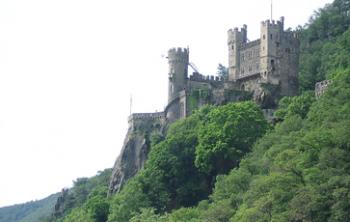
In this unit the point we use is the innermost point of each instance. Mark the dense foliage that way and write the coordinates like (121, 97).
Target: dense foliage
(180, 169)
(297, 172)
(85, 201)
(324, 47)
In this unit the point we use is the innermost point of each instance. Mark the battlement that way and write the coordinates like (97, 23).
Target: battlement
(144, 116)
(237, 35)
(178, 54)
(202, 78)
(236, 29)
(274, 24)
(290, 36)
(178, 50)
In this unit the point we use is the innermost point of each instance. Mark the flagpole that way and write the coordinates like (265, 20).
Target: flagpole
(271, 11)
(130, 103)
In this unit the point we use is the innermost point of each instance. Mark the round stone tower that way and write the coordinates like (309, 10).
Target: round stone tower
(178, 71)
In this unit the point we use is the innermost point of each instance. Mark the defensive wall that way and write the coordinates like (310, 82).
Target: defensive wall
(321, 87)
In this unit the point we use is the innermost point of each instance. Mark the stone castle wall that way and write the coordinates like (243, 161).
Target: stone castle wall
(271, 59)
(249, 59)
(321, 87)
(288, 54)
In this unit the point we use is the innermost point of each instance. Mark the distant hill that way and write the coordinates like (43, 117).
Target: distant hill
(32, 211)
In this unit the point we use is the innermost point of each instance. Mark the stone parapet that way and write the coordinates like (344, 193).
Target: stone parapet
(202, 78)
(138, 116)
(250, 44)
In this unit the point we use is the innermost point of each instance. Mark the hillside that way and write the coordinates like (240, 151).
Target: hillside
(227, 163)
(212, 167)
(299, 171)
(29, 212)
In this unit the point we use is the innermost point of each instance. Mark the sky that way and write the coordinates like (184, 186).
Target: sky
(68, 69)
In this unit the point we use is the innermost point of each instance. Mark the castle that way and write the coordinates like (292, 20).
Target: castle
(270, 62)
(263, 70)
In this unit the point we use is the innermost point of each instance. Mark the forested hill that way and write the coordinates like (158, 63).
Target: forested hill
(324, 44)
(226, 163)
(32, 211)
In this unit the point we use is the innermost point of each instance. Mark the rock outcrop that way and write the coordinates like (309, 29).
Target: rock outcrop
(131, 159)
(134, 153)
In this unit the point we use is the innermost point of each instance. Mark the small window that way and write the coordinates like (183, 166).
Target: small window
(233, 47)
(270, 36)
(264, 37)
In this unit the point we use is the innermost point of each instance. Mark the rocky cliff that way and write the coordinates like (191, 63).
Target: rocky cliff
(131, 159)
(134, 152)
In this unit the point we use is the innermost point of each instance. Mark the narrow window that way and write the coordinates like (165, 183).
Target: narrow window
(273, 64)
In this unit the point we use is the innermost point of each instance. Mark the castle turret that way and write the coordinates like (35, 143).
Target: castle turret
(178, 71)
(279, 57)
(235, 39)
(271, 34)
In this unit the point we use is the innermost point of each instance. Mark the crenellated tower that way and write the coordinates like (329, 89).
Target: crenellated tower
(271, 37)
(272, 59)
(236, 39)
(178, 59)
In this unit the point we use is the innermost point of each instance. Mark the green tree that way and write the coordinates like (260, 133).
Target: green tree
(227, 135)
(297, 105)
(222, 71)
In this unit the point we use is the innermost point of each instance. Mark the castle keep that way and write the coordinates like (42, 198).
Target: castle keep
(263, 70)
(272, 59)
